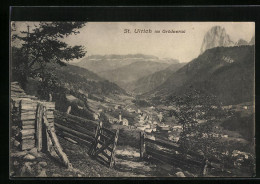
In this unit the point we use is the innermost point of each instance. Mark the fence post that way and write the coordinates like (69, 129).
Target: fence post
(69, 110)
(142, 145)
(112, 159)
(39, 127)
(205, 168)
(93, 147)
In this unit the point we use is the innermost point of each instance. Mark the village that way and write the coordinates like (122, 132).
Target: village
(122, 113)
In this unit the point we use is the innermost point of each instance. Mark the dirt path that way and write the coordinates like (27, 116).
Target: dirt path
(128, 160)
(126, 165)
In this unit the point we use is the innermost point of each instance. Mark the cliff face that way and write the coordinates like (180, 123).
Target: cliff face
(216, 37)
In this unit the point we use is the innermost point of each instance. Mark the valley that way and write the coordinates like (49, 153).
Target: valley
(203, 109)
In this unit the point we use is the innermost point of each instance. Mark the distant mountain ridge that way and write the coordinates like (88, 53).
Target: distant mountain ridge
(117, 56)
(227, 72)
(102, 63)
(124, 70)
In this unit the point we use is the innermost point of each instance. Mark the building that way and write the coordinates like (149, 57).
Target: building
(124, 122)
(177, 128)
(96, 116)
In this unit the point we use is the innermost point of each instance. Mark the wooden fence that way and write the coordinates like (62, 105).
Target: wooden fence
(24, 109)
(104, 145)
(75, 129)
(100, 140)
(166, 152)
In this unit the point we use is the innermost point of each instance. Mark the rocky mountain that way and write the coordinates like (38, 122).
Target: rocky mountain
(242, 42)
(216, 37)
(227, 72)
(150, 82)
(102, 63)
(252, 41)
(124, 70)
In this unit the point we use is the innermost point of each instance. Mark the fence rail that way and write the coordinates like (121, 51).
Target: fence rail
(104, 145)
(75, 129)
(170, 153)
(100, 140)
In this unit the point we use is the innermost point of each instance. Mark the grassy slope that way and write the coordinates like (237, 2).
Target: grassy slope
(232, 83)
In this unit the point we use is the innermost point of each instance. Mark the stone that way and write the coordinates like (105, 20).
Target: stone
(12, 173)
(43, 164)
(180, 174)
(42, 174)
(56, 175)
(39, 168)
(16, 143)
(34, 152)
(26, 170)
(29, 157)
(16, 163)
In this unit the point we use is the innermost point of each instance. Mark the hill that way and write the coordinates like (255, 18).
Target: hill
(77, 78)
(150, 82)
(126, 75)
(227, 72)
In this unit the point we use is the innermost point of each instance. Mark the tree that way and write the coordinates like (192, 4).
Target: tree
(42, 46)
(199, 114)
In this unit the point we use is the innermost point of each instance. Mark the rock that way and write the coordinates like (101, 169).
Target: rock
(12, 173)
(29, 157)
(98, 175)
(39, 168)
(16, 163)
(42, 173)
(79, 175)
(180, 174)
(18, 154)
(26, 170)
(43, 164)
(16, 143)
(35, 152)
(56, 175)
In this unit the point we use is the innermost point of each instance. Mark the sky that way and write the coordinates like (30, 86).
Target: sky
(109, 38)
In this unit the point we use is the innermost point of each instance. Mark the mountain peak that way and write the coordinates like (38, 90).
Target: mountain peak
(242, 42)
(216, 37)
(252, 41)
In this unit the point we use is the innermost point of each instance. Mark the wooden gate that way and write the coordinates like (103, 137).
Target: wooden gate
(104, 145)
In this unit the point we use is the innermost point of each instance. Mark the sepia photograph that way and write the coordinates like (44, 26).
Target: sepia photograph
(132, 99)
